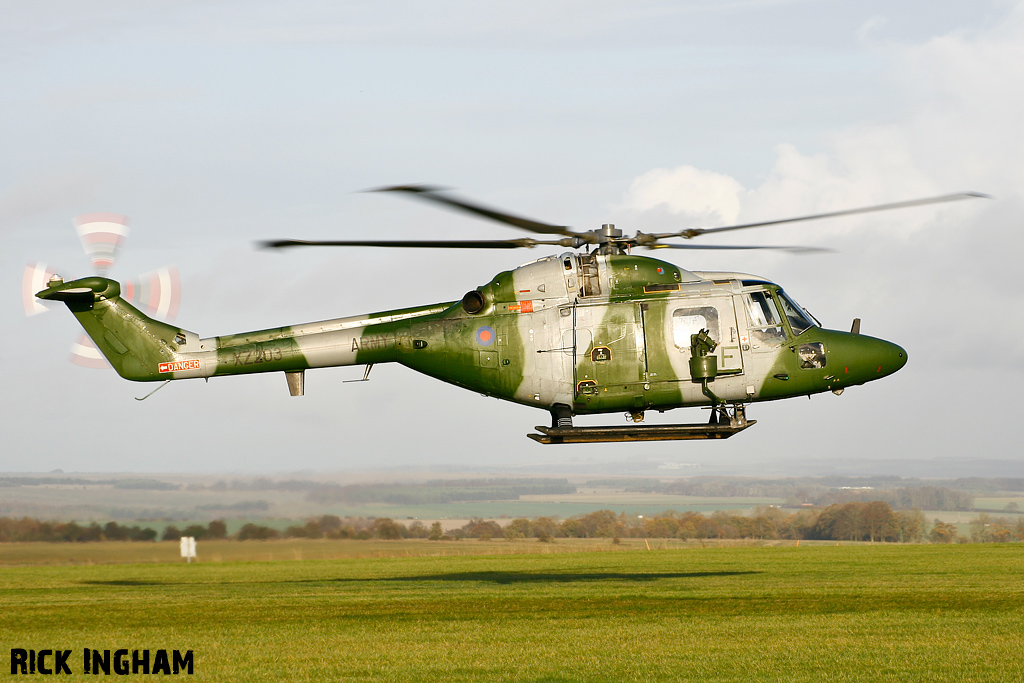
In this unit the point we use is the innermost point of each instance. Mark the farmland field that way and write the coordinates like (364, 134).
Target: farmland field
(586, 611)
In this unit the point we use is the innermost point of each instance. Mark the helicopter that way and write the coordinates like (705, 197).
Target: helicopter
(574, 333)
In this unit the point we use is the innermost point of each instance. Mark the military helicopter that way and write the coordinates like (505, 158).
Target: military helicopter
(602, 331)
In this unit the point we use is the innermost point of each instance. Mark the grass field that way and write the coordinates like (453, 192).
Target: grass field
(538, 612)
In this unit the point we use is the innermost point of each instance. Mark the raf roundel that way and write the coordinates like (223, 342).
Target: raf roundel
(485, 335)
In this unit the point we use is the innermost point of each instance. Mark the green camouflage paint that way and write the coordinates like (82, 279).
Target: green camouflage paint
(597, 333)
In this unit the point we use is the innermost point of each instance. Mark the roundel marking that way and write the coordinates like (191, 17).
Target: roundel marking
(485, 335)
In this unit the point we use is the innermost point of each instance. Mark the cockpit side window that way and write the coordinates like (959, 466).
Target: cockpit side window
(799, 322)
(763, 321)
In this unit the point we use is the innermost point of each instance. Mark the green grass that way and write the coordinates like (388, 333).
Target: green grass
(782, 613)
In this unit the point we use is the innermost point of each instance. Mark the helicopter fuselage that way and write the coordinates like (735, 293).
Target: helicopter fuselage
(580, 333)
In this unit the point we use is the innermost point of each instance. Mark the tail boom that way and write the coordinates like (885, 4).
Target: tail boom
(144, 350)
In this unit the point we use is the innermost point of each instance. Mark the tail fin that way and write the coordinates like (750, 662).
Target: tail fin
(134, 343)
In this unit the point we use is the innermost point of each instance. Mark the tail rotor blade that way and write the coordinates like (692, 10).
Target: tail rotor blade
(102, 235)
(34, 280)
(85, 354)
(158, 292)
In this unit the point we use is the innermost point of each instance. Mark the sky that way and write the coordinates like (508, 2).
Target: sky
(216, 124)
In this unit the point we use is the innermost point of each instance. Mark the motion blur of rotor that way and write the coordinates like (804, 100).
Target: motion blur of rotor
(157, 292)
(604, 240)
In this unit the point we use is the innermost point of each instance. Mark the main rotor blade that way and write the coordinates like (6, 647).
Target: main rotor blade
(525, 242)
(795, 250)
(694, 232)
(431, 194)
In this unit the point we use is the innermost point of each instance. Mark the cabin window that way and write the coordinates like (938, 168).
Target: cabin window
(690, 321)
(799, 321)
(763, 321)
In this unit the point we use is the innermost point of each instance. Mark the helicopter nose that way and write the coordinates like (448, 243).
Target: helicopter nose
(875, 358)
(890, 357)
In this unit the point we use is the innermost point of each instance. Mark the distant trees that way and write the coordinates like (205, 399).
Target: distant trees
(217, 529)
(873, 521)
(27, 529)
(113, 532)
(256, 532)
(943, 532)
(911, 525)
(482, 529)
(311, 529)
(985, 529)
(386, 529)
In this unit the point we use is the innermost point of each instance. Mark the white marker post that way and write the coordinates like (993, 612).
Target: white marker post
(188, 548)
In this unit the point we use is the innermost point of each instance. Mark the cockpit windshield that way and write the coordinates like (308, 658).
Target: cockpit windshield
(799, 320)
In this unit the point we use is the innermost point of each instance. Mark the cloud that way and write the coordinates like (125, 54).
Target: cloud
(954, 127)
(715, 197)
(966, 92)
(863, 167)
(871, 26)
(571, 24)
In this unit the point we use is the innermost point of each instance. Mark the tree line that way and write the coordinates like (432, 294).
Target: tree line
(29, 529)
(851, 521)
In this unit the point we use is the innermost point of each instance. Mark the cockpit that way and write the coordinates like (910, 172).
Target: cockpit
(765, 314)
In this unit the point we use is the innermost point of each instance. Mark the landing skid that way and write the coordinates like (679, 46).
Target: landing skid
(551, 435)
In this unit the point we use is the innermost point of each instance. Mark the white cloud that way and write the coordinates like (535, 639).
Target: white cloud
(954, 128)
(863, 167)
(687, 190)
(967, 94)
(871, 26)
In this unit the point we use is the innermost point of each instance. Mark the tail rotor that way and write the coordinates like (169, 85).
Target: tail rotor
(157, 292)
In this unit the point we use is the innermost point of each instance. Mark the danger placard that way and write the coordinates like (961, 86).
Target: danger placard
(179, 365)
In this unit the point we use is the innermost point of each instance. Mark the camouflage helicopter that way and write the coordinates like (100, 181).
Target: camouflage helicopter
(602, 331)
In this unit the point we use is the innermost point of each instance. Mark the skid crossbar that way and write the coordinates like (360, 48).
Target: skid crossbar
(550, 435)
